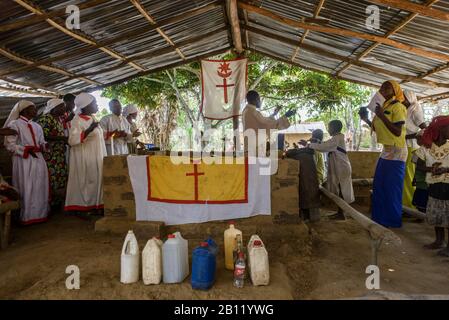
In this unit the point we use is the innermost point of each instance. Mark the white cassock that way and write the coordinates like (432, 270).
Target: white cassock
(109, 124)
(253, 119)
(85, 184)
(29, 174)
(339, 174)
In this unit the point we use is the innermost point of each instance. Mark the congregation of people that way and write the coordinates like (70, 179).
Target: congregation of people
(57, 157)
(60, 156)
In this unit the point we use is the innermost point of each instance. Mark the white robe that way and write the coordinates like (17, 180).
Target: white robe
(30, 175)
(115, 146)
(339, 174)
(85, 184)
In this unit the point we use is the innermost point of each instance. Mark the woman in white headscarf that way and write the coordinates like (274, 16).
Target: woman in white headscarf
(30, 173)
(413, 124)
(53, 129)
(130, 112)
(85, 185)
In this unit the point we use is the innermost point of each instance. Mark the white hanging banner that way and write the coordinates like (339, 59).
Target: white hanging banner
(223, 87)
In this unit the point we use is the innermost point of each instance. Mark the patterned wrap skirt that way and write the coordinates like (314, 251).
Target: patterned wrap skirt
(437, 213)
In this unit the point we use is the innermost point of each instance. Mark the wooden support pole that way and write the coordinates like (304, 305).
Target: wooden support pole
(399, 27)
(376, 232)
(76, 35)
(344, 32)
(413, 212)
(361, 64)
(233, 17)
(414, 7)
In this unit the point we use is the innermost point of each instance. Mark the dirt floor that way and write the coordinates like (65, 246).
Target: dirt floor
(324, 260)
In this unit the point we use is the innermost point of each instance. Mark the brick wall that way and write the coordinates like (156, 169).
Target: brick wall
(119, 198)
(363, 163)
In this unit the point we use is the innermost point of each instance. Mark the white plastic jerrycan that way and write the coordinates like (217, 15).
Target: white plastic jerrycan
(175, 259)
(129, 269)
(230, 244)
(152, 262)
(258, 265)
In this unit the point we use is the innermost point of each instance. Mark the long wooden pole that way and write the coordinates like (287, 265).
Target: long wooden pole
(344, 32)
(414, 7)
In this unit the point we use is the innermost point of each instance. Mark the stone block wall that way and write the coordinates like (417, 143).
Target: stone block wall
(119, 201)
(363, 163)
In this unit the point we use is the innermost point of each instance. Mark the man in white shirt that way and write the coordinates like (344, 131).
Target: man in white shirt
(117, 132)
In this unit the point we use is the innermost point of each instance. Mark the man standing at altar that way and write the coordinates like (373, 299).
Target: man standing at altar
(117, 132)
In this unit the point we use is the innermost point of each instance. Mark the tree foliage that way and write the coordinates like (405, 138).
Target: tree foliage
(319, 96)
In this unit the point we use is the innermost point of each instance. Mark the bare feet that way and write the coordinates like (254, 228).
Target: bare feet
(444, 252)
(434, 245)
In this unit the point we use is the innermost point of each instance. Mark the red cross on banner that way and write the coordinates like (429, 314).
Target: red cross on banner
(223, 88)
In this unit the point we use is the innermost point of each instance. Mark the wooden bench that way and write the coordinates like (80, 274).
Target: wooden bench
(5, 221)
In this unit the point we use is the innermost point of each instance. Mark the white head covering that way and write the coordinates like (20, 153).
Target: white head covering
(15, 112)
(83, 100)
(129, 109)
(411, 97)
(51, 104)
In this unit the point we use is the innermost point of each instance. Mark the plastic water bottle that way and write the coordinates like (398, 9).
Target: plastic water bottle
(129, 266)
(239, 271)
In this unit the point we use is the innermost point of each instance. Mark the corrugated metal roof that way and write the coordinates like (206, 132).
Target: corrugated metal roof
(124, 44)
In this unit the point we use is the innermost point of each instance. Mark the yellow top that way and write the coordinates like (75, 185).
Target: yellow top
(395, 112)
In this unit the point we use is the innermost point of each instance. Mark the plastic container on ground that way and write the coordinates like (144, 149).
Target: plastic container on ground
(129, 260)
(230, 235)
(258, 263)
(175, 259)
(203, 266)
(152, 262)
(213, 247)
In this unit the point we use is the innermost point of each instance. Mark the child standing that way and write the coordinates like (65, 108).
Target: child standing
(434, 160)
(339, 173)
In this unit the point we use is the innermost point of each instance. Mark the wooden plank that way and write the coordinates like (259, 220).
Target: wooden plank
(334, 56)
(306, 32)
(414, 213)
(15, 57)
(21, 23)
(76, 35)
(125, 36)
(150, 19)
(345, 33)
(414, 7)
(399, 27)
(31, 85)
(376, 231)
(147, 55)
(19, 90)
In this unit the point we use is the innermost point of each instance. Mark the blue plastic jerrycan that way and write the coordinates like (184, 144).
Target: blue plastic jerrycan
(203, 266)
(213, 247)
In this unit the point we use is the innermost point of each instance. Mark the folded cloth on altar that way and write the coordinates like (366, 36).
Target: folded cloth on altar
(198, 191)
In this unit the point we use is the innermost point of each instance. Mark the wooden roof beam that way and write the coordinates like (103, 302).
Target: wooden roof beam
(399, 27)
(15, 57)
(148, 16)
(151, 54)
(31, 85)
(420, 9)
(335, 56)
(127, 35)
(19, 90)
(345, 33)
(306, 32)
(76, 35)
(233, 17)
(24, 22)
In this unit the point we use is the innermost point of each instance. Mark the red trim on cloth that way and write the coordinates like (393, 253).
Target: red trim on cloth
(108, 135)
(82, 137)
(83, 208)
(33, 221)
(196, 201)
(84, 117)
(202, 86)
(27, 149)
